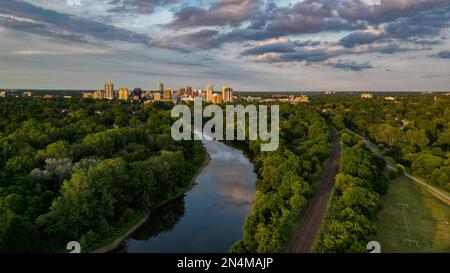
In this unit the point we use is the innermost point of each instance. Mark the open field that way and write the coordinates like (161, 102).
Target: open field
(411, 219)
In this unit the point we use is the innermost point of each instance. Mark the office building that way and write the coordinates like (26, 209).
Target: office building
(167, 94)
(189, 91)
(216, 99)
(160, 87)
(209, 93)
(181, 92)
(227, 94)
(98, 95)
(157, 96)
(109, 91)
(136, 94)
(124, 94)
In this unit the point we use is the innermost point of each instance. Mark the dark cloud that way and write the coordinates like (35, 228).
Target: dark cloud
(64, 26)
(203, 39)
(270, 48)
(279, 47)
(220, 13)
(359, 38)
(308, 17)
(309, 55)
(313, 51)
(266, 20)
(351, 65)
(390, 48)
(445, 54)
(388, 11)
(138, 6)
(38, 29)
(428, 23)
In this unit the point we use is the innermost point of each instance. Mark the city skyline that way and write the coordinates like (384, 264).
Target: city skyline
(252, 45)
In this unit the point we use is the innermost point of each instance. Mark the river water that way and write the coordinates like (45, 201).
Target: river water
(209, 217)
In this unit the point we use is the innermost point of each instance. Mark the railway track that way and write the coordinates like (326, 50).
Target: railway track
(311, 220)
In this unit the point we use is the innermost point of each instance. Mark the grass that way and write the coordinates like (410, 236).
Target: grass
(425, 219)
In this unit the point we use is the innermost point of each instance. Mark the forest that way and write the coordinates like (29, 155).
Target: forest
(286, 179)
(354, 201)
(412, 129)
(85, 170)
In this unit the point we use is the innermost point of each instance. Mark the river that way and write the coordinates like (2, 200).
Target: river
(209, 217)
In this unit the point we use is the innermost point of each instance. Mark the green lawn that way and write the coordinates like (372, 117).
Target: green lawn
(425, 218)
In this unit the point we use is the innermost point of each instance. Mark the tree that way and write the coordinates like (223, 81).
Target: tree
(338, 121)
(425, 163)
(57, 150)
(20, 165)
(360, 199)
(417, 137)
(385, 133)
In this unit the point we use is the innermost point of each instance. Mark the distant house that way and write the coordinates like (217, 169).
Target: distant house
(366, 96)
(4, 94)
(390, 98)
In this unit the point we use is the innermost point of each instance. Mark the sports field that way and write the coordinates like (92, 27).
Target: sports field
(412, 220)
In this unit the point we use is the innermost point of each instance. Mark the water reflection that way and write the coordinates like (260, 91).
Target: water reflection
(210, 217)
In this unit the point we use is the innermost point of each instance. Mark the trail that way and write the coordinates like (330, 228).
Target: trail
(435, 191)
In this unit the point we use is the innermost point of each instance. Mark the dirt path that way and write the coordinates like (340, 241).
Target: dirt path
(302, 241)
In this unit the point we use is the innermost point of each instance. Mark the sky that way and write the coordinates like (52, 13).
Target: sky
(251, 45)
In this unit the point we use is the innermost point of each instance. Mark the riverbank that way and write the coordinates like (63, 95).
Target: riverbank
(117, 241)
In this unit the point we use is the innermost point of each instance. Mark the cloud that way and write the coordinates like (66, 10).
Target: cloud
(63, 26)
(38, 29)
(428, 23)
(360, 38)
(138, 6)
(285, 51)
(299, 55)
(203, 39)
(388, 11)
(445, 54)
(220, 13)
(280, 47)
(351, 65)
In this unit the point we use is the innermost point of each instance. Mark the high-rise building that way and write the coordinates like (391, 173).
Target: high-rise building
(209, 93)
(160, 87)
(109, 91)
(168, 94)
(189, 91)
(156, 96)
(124, 94)
(181, 92)
(227, 94)
(146, 94)
(216, 99)
(98, 95)
(136, 93)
